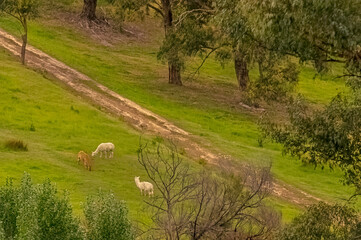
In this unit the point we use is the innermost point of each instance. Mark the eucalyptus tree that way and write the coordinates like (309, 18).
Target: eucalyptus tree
(211, 28)
(323, 221)
(21, 10)
(228, 29)
(323, 32)
(172, 13)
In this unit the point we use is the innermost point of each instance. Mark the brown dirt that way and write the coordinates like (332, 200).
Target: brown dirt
(138, 117)
(103, 30)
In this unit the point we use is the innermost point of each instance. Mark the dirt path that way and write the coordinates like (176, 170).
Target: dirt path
(135, 115)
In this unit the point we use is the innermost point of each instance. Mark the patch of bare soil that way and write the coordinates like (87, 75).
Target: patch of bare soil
(102, 30)
(138, 117)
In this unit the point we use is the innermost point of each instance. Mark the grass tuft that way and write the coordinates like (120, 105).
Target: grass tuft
(32, 128)
(74, 110)
(16, 145)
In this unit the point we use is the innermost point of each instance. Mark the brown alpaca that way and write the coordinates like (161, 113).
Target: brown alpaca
(85, 159)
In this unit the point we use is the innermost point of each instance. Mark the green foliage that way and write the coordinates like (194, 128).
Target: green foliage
(9, 209)
(120, 68)
(121, 10)
(36, 212)
(324, 137)
(317, 30)
(323, 221)
(106, 218)
(20, 9)
(278, 78)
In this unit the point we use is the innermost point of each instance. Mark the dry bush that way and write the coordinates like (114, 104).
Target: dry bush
(16, 145)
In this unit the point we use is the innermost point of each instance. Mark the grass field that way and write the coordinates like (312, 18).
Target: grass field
(131, 69)
(56, 125)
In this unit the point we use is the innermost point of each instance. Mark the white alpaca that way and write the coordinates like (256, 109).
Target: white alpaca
(104, 148)
(147, 187)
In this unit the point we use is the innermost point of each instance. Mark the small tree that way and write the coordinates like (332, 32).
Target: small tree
(171, 12)
(106, 218)
(36, 212)
(22, 10)
(323, 221)
(193, 205)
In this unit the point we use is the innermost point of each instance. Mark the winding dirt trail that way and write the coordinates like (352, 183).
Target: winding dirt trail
(138, 117)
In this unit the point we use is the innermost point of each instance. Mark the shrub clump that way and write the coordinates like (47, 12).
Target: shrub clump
(16, 145)
(32, 211)
(107, 218)
(38, 212)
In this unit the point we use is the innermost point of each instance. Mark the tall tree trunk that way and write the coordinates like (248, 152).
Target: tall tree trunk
(25, 40)
(89, 8)
(240, 65)
(174, 74)
(173, 68)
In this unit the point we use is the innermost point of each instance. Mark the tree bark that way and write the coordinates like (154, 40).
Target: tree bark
(25, 40)
(89, 9)
(240, 65)
(174, 74)
(173, 68)
(23, 47)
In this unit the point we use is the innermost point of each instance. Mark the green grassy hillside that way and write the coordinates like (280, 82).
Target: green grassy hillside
(206, 106)
(56, 125)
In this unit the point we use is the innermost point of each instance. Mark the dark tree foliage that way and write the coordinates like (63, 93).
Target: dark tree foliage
(324, 137)
(277, 79)
(321, 32)
(323, 221)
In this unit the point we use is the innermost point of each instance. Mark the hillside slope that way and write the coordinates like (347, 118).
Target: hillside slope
(207, 107)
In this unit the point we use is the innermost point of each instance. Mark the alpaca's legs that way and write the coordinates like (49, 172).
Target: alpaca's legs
(100, 154)
(111, 153)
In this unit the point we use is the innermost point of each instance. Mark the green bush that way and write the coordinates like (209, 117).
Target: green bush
(35, 212)
(323, 221)
(106, 218)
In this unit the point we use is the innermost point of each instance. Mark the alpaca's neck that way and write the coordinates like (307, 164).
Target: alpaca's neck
(137, 182)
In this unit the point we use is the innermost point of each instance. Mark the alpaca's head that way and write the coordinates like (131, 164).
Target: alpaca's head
(136, 179)
(93, 154)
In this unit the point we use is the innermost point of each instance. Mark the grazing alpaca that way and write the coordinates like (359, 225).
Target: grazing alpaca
(85, 159)
(104, 148)
(144, 186)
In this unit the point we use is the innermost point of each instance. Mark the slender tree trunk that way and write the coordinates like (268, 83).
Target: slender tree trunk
(88, 11)
(260, 69)
(240, 65)
(25, 41)
(173, 68)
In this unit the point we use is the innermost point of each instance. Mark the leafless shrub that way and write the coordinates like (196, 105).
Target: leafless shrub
(201, 205)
